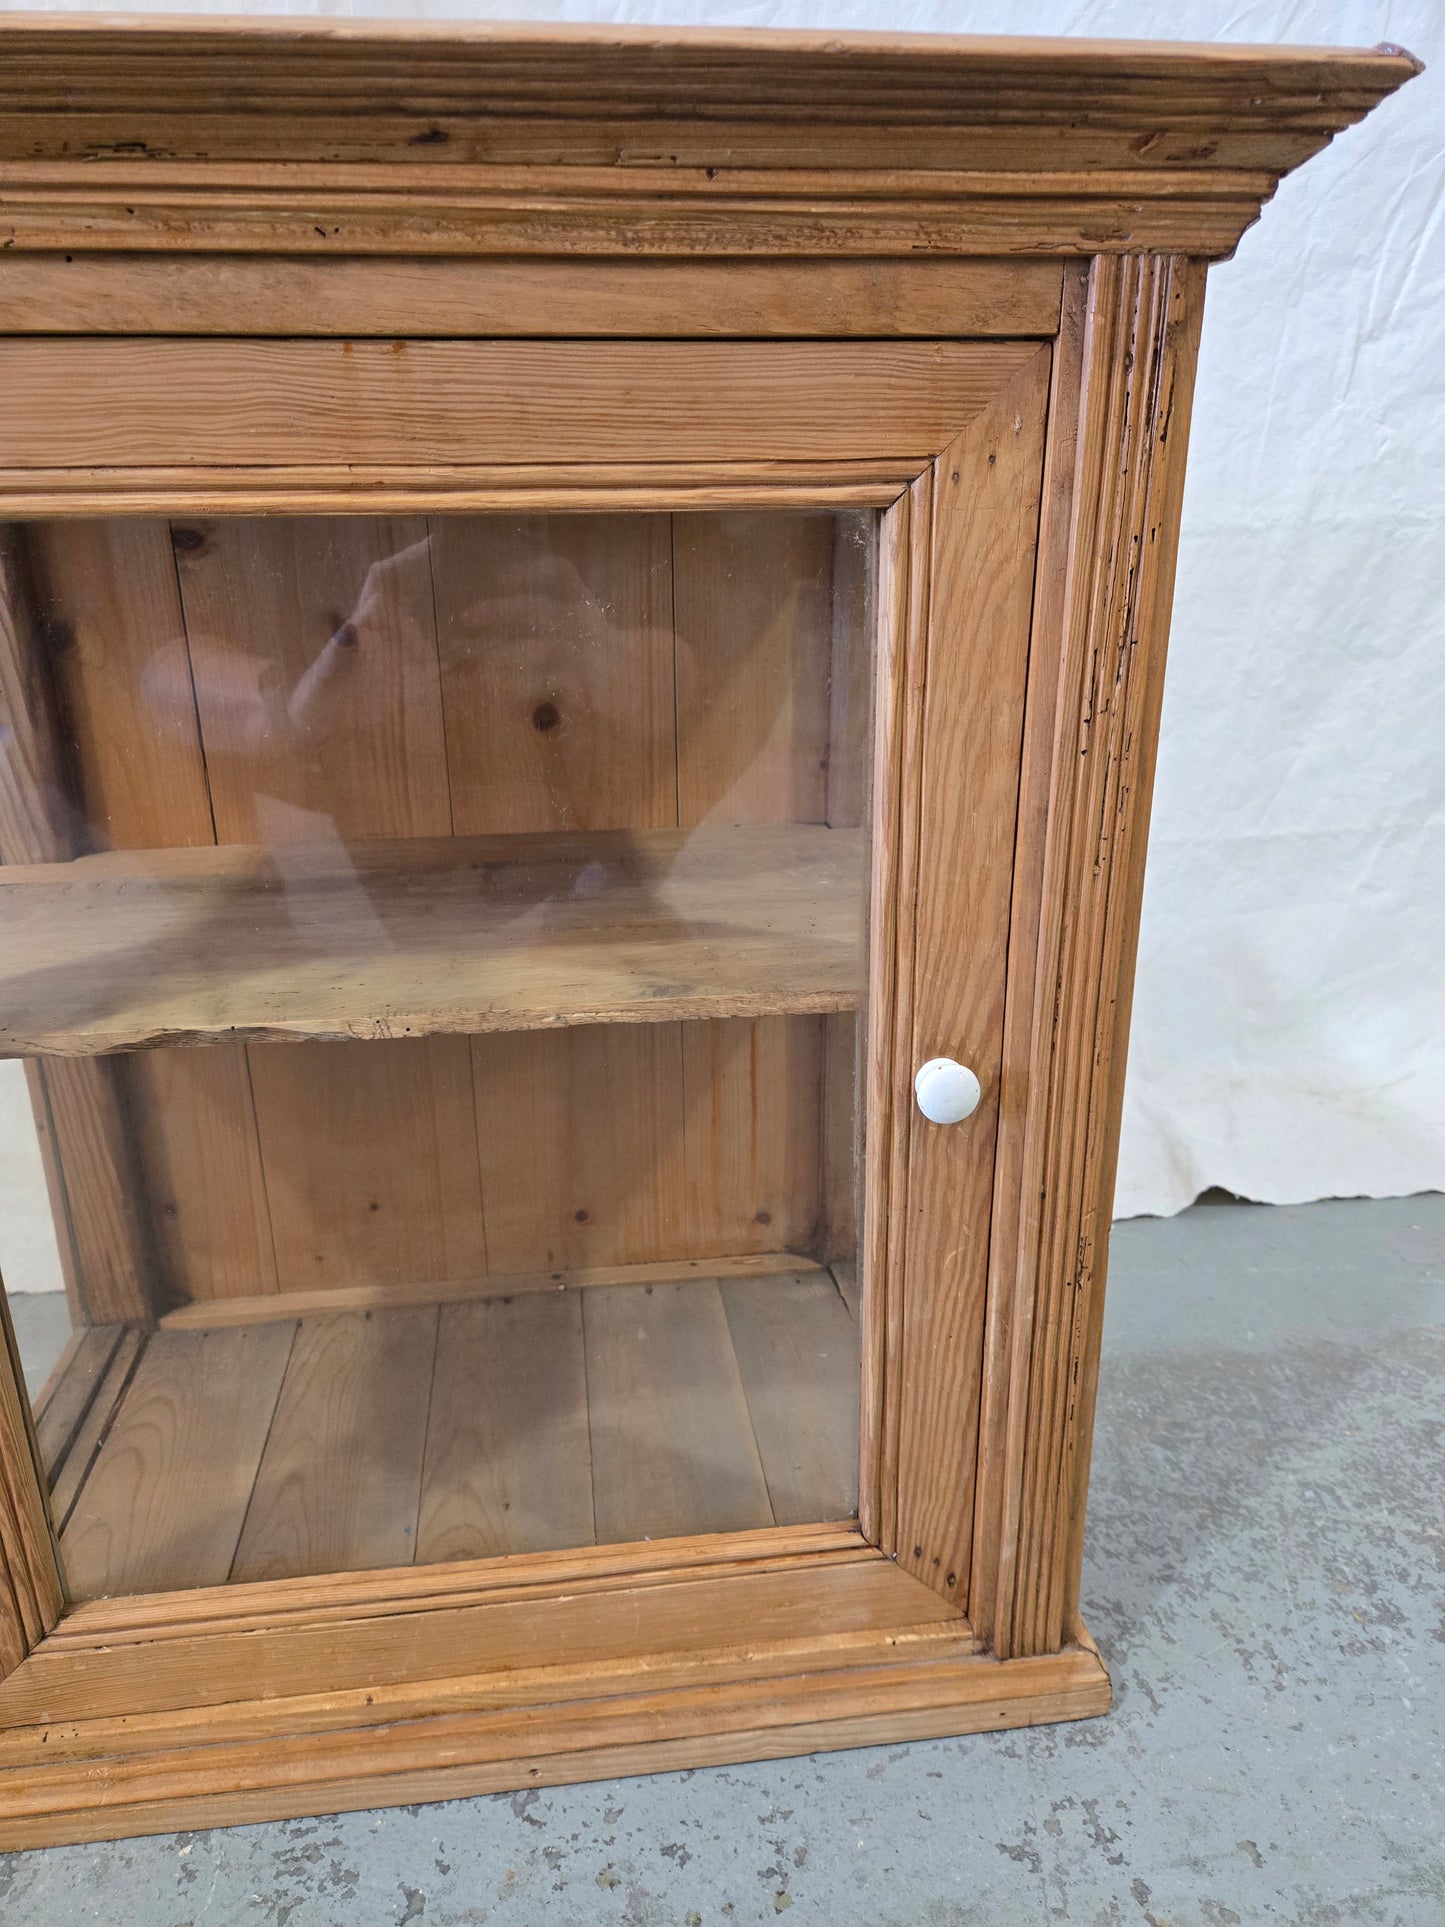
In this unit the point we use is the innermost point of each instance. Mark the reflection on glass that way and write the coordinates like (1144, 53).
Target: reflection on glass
(438, 949)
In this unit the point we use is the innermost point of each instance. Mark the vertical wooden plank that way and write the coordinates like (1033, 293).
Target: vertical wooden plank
(30, 1594)
(850, 722)
(673, 1451)
(581, 1140)
(210, 1216)
(36, 812)
(797, 1352)
(60, 1410)
(109, 596)
(106, 1222)
(754, 613)
(985, 533)
(556, 656)
(1028, 1010)
(904, 560)
(1175, 322)
(753, 597)
(55, 1192)
(1110, 581)
(557, 671)
(107, 592)
(70, 1472)
(850, 669)
(313, 642)
(107, 1253)
(842, 1131)
(313, 648)
(508, 1463)
(370, 1156)
(751, 1139)
(339, 1482)
(163, 1506)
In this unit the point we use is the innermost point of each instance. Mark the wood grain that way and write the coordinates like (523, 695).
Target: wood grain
(119, 294)
(72, 1470)
(314, 655)
(753, 601)
(164, 1503)
(581, 1146)
(108, 593)
(495, 1391)
(1138, 359)
(987, 493)
(30, 1589)
(370, 1153)
(36, 811)
(339, 1481)
(206, 1198)
(752, 1169)
(205, 1314)
(556, 665)
(1011, 1282)
(222, 88)
(797, 1353)
(61, 1406)
(643, 1732)
(525, 1625)
(672, 1445)
(755, 645)
(310, 152)
(120, 404)
(508, 1462)
(557, 670)
(426, 937)
(335, 486)
(107, 1254)
(904, 559)
(89, 1117)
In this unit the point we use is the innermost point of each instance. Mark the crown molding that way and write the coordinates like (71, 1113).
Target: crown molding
(325, 138)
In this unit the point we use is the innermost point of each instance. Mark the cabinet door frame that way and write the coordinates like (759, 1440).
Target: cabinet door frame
(306, 1696)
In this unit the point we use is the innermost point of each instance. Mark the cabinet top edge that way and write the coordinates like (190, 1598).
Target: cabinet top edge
(76, 50)
(284, 136)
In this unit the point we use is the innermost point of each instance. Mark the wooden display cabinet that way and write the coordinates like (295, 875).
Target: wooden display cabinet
(576, 605)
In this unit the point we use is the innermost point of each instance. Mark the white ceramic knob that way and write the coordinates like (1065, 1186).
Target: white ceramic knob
(946, 1092)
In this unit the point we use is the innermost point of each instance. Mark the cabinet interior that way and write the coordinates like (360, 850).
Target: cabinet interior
(446, 909)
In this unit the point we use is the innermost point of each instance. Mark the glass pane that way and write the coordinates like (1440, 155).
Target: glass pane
(438, 949)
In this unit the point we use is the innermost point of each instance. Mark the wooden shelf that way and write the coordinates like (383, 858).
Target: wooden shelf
(412, 938)
(351, 1439)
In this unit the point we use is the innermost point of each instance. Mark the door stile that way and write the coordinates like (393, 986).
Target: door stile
(1085, 811)
(962, 782)
(901, 617)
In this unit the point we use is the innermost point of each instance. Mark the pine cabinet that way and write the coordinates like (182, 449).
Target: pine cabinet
(582, 618)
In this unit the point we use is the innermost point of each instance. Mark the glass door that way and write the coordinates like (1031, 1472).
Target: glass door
(432, 960)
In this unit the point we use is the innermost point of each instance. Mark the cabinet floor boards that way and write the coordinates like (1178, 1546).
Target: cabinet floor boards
(344, 1440)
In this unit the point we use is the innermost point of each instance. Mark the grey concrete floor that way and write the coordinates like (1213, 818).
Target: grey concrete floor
(1266, 1576)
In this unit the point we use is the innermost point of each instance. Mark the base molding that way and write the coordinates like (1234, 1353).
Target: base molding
(453, 1756)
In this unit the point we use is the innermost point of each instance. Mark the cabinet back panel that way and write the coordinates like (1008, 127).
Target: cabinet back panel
(289, 680)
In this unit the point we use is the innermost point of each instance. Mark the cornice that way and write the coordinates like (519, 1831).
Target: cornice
(310, 137)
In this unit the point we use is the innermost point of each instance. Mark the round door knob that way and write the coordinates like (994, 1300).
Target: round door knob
(946, 1092)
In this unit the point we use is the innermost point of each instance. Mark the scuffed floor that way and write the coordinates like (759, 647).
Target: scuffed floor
(1266, 1578)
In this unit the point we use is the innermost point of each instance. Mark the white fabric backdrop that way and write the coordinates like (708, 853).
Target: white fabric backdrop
(1289, 1027)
